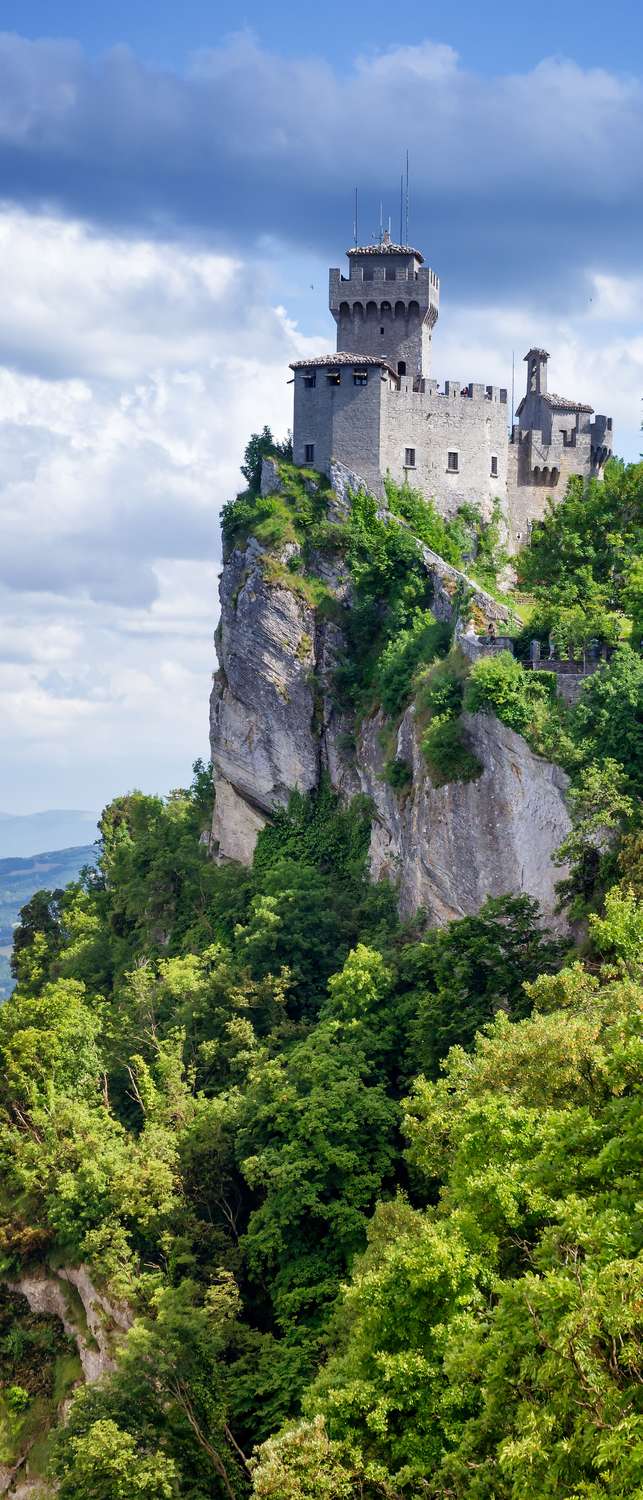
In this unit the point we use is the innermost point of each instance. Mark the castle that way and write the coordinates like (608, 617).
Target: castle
(373, 407)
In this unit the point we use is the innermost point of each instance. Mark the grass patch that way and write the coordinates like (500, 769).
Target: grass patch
(68, 1371)
(312, 590)
(295, 513)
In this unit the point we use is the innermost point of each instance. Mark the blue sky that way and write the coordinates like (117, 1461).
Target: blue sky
(492, 37)
(174, 182)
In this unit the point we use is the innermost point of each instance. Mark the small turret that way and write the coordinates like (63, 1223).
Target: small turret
(536, 360)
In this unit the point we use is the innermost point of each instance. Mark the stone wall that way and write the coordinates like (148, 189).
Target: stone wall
(436, 423)
(369, 428)
(341, 421)
(527, 492)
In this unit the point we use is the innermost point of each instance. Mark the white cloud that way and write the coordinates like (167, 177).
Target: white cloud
(112, 472)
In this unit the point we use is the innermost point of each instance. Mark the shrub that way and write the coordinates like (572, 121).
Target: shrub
(608, 718)
(441, 536)
(424, 639)
(446, 749)
(398, 773)
(17, 1398)
(296, 514)
(439, 690)
(497, 684)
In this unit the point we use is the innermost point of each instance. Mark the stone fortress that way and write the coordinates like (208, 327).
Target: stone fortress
(373, 407)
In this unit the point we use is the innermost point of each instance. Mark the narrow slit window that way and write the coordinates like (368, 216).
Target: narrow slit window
(309, 453)
(401, 367)
(452, 462)
(409, 458)
(494, 466)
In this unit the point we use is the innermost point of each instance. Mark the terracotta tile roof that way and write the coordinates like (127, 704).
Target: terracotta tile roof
(385, 249)
(561, 401)
(331, 361)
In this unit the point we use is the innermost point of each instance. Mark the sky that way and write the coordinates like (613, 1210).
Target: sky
(174, 183)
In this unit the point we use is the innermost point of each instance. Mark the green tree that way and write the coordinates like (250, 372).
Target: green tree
(583, 549)
(38, 938)
(106, 1464)
(460, 976)
(600, 808)
(487, 1346)
(312, 1202)
(302, 1463)
(607, 722)
(259, 446)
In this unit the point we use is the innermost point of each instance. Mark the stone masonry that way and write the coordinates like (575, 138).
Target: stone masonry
(373, 407)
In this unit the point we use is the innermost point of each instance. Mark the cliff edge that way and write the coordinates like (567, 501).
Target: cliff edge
(278, 722)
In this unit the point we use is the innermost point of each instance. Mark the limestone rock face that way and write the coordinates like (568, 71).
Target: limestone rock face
(263, 702)
(275, 728)
(448, 848)
(93, 1322)
(103, 1320)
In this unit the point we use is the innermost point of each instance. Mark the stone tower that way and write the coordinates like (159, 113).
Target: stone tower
(387, 306)
(372, 406)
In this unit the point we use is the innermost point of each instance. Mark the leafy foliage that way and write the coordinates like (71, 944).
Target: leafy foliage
(259, 446)
(498, 684)
(588, 547)
(495, 1336)
(369, 1189)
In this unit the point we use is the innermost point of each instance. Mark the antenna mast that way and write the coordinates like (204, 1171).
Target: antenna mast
(513, 386)
(401, 207)
(355, 219)
(406, 240)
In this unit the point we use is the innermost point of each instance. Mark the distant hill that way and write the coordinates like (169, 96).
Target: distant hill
(19, 878)
(23, 835)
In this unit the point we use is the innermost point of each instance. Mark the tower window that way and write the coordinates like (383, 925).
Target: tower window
(309, 453)
(494, 466)
(360, 377)
(389, 274)
(310, 380)
(452, 462)
(401, 367)
(409, 458)
(333, 377)
(369, 275)
(381, 330)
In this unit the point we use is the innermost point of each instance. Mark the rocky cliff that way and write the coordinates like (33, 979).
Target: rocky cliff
(276, 726)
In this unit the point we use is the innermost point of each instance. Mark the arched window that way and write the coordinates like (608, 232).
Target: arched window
(414, 309)
(358, 309)
(399, 309)
(371, 309)
(385, 308)
(344, 310)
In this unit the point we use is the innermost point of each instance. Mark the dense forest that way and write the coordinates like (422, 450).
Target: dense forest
(367, 1188)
